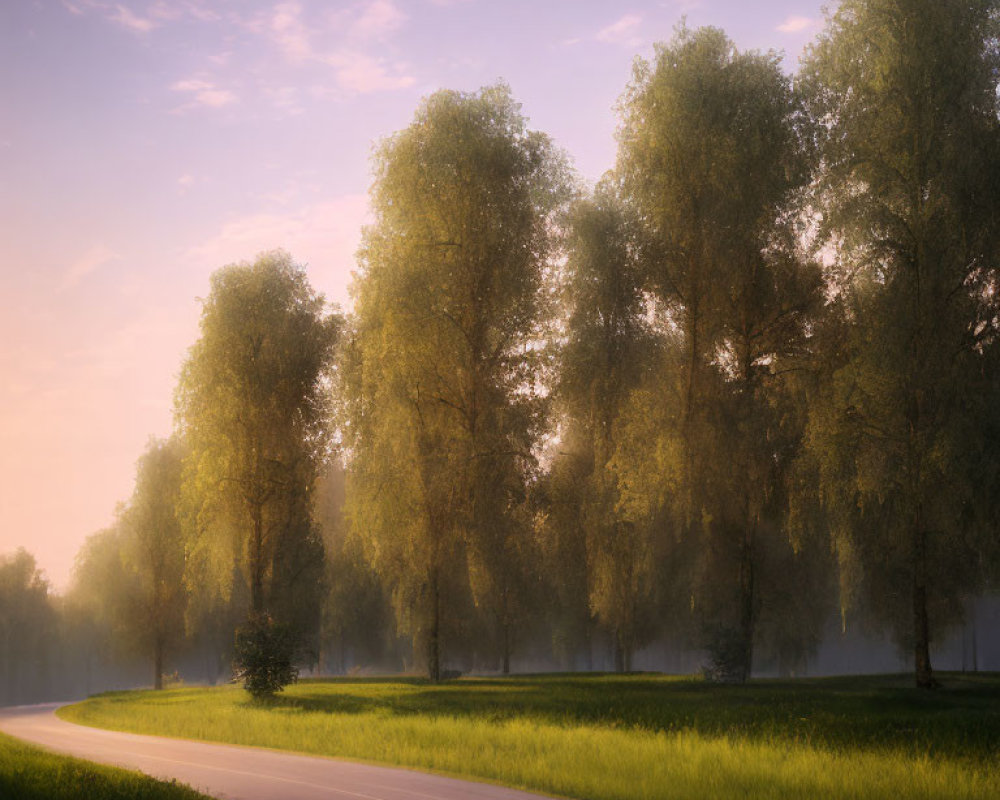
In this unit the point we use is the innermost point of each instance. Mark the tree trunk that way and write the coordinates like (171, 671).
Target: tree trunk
(921, 623)
(505, 656)
(619, 654)
(434, 635)
(158, 664)
(257, 561)
(746, 605)
(975, 648)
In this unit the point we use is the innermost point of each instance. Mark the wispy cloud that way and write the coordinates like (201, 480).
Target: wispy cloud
(285, 98)
(361, 73)
(623, 31)
(89, 262)
(157, 12)
(203, 93)
(378, 19)
(185, 182)
(290, 33)
(221, 59)
(197, 10)
(794, 24)
(125, 17)
(355, 69)
(325, 235)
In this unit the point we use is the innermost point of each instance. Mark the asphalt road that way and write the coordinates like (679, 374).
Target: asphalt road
(240, 773)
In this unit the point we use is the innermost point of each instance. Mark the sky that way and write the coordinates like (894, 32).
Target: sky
(146, 143)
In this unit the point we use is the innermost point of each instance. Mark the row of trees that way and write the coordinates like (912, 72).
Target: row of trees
(773, 330)
(746, 383)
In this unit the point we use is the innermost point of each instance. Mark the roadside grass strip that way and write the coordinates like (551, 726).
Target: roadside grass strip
(615, 738)
(30, 773)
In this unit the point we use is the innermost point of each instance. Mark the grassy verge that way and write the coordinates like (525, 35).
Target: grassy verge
(28, 773)
(609, 737)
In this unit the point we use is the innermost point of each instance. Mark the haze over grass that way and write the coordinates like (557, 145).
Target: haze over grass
(616, 737)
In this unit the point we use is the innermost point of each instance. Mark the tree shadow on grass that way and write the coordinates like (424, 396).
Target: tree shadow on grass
(961, 721)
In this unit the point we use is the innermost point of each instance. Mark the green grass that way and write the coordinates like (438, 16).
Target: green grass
(630, 737)
(28, 773)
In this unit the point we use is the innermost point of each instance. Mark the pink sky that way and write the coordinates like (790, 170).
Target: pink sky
(145, 143)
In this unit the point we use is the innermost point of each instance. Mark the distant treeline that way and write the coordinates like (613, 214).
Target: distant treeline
(747, 385)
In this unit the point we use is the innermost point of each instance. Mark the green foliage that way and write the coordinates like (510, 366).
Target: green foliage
(251, 404)
(608, 347)
(29, 773)
(154, 554)
(713, 158)
(129, 580)
(907, 192)
(357, 614)
(605, 736)
(444, 408)
(28, 623)
(265, 656)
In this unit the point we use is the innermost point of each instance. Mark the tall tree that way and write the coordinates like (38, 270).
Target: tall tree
(906, 91)
(251, 405)
(129, 579)
(448, 305)
(153, 552)
(608, 345)
(712, 155)
(708, 152)
(27, 627)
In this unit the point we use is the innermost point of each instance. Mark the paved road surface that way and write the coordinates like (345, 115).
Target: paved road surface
(240, 773)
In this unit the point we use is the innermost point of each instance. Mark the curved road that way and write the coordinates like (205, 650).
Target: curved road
(240, 773)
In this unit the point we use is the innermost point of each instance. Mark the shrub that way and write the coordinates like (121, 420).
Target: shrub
(727, 652)
(265, 652)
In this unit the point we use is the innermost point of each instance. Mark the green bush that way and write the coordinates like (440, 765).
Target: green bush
(265, 656)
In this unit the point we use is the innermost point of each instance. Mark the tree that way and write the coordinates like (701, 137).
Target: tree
(27, 626)
(357, 616)
(608, 345)
(906, 93)
(448, 305)
(251, 406)
(711, 154)
(153, 552)
(100, 598)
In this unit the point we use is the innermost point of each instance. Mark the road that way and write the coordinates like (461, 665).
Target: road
(240, 773)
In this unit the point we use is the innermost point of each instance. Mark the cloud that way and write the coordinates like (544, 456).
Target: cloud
(185, 182)
(196, 10)
(794, 24)
(622, 31)
(124, 17)
(290, 33)
(191, 85)
(361, 73)
(324, 235)
(221, 59)
(89, 262)
(355, 71)
(215, 98)
(163, 10)
(378, 19)
(285, 98)
(203, 94)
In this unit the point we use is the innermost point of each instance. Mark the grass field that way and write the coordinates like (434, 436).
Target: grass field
(28, 773)
(629, 737)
